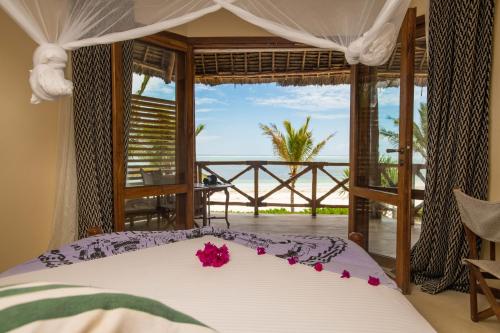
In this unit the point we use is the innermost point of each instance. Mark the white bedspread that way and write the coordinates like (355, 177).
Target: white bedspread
(250, 294)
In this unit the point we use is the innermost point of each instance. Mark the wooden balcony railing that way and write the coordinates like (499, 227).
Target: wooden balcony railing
(311, 200)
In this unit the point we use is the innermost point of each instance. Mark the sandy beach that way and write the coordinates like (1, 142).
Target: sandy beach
(282, 196)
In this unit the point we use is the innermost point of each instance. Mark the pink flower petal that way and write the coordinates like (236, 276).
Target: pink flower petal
(318, 266)
(293, 260)
(213, 256)
(374, 281)
(345, 274)
(261, 251)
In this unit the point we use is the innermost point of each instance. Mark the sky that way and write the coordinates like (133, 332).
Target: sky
(232, 113)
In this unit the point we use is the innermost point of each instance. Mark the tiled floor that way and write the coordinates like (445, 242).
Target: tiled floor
(382, 233)
(382, 238)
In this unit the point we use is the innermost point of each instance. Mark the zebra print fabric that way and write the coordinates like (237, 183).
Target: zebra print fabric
(92, 99)
(460, 50)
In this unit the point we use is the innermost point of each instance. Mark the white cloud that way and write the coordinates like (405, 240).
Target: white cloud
(388, 96)
(201, 119)
(136, 82)
(203, 87)
(204, 110)
(309, 98)
(208, 101)
(327, 98)
(207, 110)
(158, 85)
(322, 116)
(155, 86)
(202, 138)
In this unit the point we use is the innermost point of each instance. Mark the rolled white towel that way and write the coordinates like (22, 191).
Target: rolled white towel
(47, 76)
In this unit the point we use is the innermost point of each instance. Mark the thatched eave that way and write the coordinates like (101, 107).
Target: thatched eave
(287, 67)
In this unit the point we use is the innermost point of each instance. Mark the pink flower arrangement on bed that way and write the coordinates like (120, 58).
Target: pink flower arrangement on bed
(213, 256)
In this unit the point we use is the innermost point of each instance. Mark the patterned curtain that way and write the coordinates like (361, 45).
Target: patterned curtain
(93, 133)
(460, 49)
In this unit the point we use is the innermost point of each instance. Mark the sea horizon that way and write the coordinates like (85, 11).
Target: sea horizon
(266, 183)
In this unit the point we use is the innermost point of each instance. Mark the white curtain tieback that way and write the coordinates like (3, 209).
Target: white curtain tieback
(47, 76)
(374, 51)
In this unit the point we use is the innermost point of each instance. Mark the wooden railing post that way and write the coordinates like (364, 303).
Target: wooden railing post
(199, 173)
(314, 203)
(256, 190)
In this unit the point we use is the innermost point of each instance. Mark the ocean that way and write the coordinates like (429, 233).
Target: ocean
(282, 171)
(267, 183)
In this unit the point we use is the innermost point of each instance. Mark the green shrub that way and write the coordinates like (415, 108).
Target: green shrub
(307, 211)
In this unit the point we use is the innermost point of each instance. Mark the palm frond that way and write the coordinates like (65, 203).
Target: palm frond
(294, 145)
(278, 140)
(144, 83)
(199, 129)
(420, 132)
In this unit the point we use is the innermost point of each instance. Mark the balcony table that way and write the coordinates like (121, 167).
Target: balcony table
(206, 192)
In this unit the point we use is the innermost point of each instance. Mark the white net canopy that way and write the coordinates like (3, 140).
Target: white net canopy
(365, 30)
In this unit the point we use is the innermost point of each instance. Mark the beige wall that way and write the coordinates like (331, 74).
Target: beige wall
(495, 119)
(223, 23)
(27, 153)
(220, 24)
(421, 6)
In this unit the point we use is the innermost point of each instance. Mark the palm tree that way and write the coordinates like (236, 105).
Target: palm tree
(419, 132)
(199, 129)
(387, 179)
(144, 83)
(294, 145)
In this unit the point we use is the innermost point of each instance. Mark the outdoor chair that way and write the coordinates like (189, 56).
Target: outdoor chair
(141, 207)
(481, 221)
(165, 204)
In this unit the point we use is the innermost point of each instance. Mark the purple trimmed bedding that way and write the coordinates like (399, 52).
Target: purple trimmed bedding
(336, 254)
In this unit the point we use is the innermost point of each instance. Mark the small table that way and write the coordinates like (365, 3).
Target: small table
(206, 192)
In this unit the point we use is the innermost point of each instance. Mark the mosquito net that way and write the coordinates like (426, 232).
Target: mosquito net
(365, 30)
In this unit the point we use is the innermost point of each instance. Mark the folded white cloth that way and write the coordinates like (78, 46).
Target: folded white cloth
(47, 76)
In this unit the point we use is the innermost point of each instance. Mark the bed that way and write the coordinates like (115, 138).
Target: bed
(252, 293)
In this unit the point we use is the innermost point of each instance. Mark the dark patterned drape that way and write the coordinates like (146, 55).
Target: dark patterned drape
(93, 132)
(460, 48)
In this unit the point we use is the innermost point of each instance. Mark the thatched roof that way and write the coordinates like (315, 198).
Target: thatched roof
(299, 65)
(153, 61)
(293, 67)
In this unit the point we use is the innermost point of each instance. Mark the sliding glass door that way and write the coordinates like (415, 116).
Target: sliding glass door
(153, 135)
(381, 157)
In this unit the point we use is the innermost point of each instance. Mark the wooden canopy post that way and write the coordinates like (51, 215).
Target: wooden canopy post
(256, 190)
(314, 183)
(403, 234)
(118, 132)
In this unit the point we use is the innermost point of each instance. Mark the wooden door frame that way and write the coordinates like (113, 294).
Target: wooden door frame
(184, 143)
(360, 195)
(403, 232)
